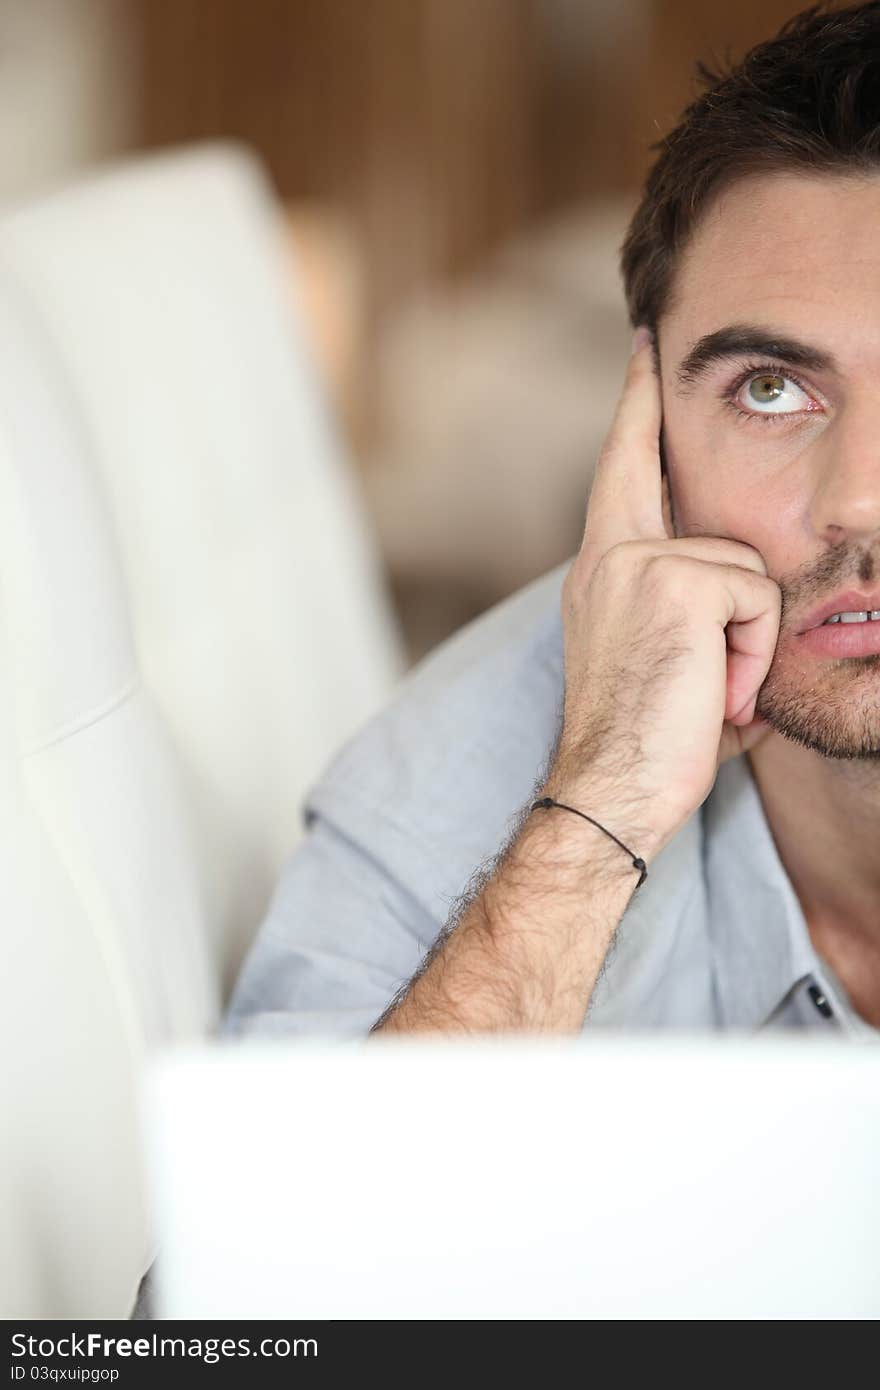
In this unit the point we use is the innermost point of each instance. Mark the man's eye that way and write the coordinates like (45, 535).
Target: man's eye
(769, 393)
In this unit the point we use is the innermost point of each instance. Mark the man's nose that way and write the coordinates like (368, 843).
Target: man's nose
(846, 495)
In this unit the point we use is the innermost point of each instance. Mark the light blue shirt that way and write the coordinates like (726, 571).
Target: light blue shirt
(424, 796)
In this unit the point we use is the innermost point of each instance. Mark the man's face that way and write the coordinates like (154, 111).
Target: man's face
(795, 470)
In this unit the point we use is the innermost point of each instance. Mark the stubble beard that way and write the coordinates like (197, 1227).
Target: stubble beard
(834, 711)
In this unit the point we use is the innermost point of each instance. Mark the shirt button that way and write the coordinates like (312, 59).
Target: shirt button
(820, 1000)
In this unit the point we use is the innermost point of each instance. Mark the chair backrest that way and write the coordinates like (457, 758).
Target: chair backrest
(193, 618)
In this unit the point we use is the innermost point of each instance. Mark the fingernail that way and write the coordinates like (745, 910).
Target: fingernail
(641, 336)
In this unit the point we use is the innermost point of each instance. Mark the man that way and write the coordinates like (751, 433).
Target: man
(675, 690)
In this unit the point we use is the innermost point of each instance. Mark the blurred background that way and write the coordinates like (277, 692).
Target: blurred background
(456, 178)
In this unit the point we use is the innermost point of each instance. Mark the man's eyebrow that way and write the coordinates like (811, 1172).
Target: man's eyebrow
(748, 340)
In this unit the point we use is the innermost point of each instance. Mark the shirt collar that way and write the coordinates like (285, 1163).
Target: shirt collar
(761, 944)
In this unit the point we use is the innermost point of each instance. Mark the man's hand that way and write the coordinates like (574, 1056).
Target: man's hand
(667, 641)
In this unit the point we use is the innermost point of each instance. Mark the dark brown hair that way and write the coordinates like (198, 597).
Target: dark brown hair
(807, 100)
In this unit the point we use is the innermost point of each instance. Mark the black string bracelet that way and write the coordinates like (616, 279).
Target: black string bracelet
(547, 801)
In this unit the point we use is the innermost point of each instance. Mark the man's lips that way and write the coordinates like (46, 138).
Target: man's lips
(850, 601)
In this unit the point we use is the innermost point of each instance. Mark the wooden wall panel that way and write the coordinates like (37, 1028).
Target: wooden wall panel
(440, 127)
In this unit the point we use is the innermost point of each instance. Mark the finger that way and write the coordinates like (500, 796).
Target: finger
(717, 550)
(751, 643)
(626, 500)
(740, 597)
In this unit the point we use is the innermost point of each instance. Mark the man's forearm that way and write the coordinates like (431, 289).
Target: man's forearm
(526, 953)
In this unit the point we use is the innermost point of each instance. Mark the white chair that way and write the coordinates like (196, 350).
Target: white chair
(192, 618)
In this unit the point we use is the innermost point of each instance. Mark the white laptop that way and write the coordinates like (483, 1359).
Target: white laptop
(649, 1176)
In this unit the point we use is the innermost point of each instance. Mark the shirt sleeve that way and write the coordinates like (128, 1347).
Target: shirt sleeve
(340, 938)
